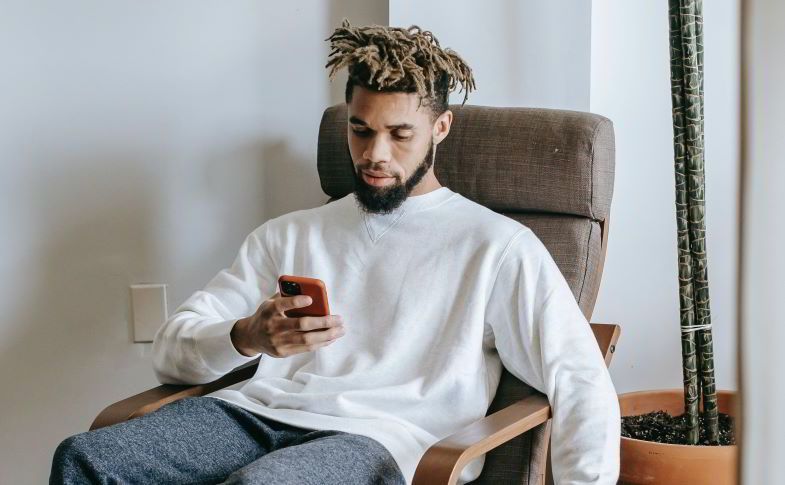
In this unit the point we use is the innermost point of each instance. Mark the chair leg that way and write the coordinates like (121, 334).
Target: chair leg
(548, 470)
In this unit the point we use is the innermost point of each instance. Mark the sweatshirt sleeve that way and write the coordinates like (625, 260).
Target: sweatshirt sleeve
(544, 340)
(194, 345)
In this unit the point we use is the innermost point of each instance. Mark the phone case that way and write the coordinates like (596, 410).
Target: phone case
(313, 287)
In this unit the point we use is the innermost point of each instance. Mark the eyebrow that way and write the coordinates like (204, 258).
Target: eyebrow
(400, 126)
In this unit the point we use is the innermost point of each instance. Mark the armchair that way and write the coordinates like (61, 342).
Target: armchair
(551, 170)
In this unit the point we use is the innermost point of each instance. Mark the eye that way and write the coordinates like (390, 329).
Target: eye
(403, 136)
(361, 133)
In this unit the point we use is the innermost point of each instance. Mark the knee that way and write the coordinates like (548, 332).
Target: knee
(70, 449)
(72, 461)
(380, 462)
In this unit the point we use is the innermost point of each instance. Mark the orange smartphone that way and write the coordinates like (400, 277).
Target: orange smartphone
(301, 285)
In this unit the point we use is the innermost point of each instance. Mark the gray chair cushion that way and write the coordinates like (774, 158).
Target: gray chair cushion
(576, 246)
(551, 170)
(508, 159)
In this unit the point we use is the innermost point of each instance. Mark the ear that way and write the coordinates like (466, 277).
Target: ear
(441, 127)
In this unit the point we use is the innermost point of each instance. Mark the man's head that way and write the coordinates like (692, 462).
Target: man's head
(397, 95)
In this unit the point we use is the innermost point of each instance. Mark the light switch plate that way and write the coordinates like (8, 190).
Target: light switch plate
(148, 307)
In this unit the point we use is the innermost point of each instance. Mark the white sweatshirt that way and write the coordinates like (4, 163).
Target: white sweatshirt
(435, 298)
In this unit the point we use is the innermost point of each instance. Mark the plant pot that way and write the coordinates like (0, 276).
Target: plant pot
(647, 462)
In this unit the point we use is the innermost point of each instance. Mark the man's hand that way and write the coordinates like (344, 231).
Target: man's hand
(271, 332)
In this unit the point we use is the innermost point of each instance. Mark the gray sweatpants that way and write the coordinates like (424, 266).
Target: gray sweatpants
(206, 440)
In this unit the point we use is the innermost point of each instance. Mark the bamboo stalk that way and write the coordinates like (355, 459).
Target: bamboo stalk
(692, 45)
(686, 301)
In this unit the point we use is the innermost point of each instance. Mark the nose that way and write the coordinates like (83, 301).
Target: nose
(377, 150)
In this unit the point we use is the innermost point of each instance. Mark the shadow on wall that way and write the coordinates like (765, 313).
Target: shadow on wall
(291, 182)
(103, 226)
(235, 191)
(67, 350)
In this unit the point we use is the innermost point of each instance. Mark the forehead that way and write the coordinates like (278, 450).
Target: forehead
(379, 109)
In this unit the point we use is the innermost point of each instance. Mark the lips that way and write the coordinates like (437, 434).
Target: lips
(377, 179)
(376, 174)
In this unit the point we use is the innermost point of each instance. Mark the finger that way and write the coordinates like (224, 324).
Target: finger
(291, 302)
(317, 336)
(286, 324)
(298, 349)
(296, 338)
(307, 324)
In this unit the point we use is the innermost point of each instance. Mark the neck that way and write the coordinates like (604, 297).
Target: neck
(429, 183)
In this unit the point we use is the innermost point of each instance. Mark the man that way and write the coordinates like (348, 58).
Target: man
(431, 294)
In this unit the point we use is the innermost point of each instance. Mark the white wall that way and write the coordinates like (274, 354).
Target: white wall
(763, 259)
(630, 84)
(142, 142)
(522, 52)
(139, 142)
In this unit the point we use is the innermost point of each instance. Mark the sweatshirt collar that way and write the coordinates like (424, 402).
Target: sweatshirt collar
(378, 224)
(427, 200)
(416, 203)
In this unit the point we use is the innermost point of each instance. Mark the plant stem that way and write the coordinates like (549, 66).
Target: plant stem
(692, 45)
(686, 306)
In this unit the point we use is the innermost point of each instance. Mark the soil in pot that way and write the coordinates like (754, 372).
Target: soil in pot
(661, 427)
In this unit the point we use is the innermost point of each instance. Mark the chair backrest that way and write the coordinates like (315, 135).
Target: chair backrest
(553, 171)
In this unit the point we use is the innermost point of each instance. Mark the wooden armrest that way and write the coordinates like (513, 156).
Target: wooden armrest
(150, 400)
(443, 461)
(607, 335)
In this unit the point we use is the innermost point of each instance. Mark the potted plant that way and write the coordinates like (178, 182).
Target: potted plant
(684, 436)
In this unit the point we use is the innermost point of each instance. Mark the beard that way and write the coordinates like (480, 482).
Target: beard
(383, 200)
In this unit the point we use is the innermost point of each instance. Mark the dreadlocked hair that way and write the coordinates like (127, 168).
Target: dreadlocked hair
(393, 59)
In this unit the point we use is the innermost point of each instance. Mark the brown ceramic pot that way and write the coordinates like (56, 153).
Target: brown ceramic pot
(646, 462)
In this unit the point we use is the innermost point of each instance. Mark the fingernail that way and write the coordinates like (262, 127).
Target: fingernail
(307, 300)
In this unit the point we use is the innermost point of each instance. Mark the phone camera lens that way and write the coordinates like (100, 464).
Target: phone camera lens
(291, 288)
